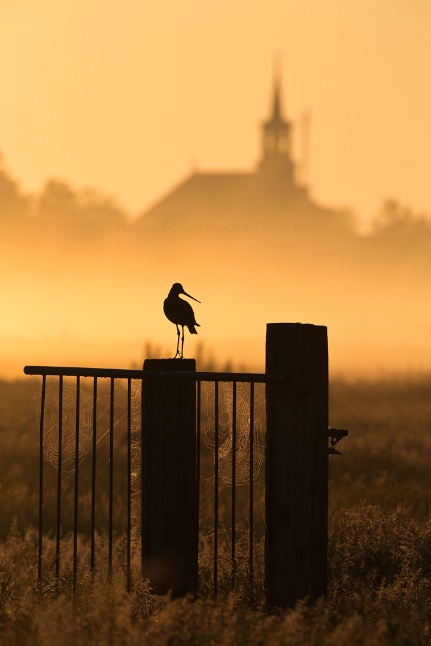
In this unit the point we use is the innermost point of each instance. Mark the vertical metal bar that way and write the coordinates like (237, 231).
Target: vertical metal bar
(75, 501)
(251, 480)
(216, 479)
(42, 419)
(111, 475)
(129, 476)
(143, 476)
(233, 529)
(93, 477)
(59, 465)
(198, 439)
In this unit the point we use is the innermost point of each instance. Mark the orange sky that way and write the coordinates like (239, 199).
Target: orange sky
(126, 97)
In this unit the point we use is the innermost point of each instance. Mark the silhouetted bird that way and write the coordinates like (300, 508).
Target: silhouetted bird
(180, 312)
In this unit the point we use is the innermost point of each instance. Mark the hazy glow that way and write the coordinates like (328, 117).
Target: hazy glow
(128, 97)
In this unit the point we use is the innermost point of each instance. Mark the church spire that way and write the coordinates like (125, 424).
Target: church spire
(276, 137)
(276, 130)
(276, 104)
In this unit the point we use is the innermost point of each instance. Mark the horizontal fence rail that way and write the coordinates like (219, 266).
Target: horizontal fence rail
(229, 454)
(244, 377)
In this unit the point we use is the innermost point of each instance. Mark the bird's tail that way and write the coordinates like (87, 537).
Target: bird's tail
(192, 329)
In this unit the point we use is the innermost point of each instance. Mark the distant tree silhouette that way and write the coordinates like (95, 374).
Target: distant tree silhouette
(13, 204)
(394, 216)
(83, 216)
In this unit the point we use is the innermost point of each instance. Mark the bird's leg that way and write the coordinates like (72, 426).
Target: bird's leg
(178, 343)
(182, 344)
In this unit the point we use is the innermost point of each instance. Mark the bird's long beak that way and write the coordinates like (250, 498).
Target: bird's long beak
(195, 299)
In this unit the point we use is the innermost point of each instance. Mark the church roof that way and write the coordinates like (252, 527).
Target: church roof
(206, 193)
(219, 197)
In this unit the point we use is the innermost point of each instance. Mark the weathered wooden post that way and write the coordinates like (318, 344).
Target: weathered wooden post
(170, 514)
(296, 463)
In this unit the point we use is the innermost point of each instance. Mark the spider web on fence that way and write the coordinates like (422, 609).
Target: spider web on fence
(51, 428)
(51, 423)
(135, 483)
(86, 411)
(225, 430)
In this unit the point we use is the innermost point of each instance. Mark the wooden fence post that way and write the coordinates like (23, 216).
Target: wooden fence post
(296, 470)
(170, 514)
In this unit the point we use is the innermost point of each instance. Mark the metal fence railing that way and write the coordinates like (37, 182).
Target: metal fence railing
(91, 480)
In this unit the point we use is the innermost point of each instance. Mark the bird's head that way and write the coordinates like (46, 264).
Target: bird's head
(177, 289)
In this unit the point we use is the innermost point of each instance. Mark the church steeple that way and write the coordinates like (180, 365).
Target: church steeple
(276, 122)
(276, 139)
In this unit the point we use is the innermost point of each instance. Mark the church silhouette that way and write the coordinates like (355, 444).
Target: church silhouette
(270, 190)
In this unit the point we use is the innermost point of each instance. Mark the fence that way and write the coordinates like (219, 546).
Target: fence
(157, 443)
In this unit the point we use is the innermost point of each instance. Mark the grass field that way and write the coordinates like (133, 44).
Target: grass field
(379, 547)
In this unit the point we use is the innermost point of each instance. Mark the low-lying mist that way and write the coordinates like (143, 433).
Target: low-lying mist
(84, 283)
